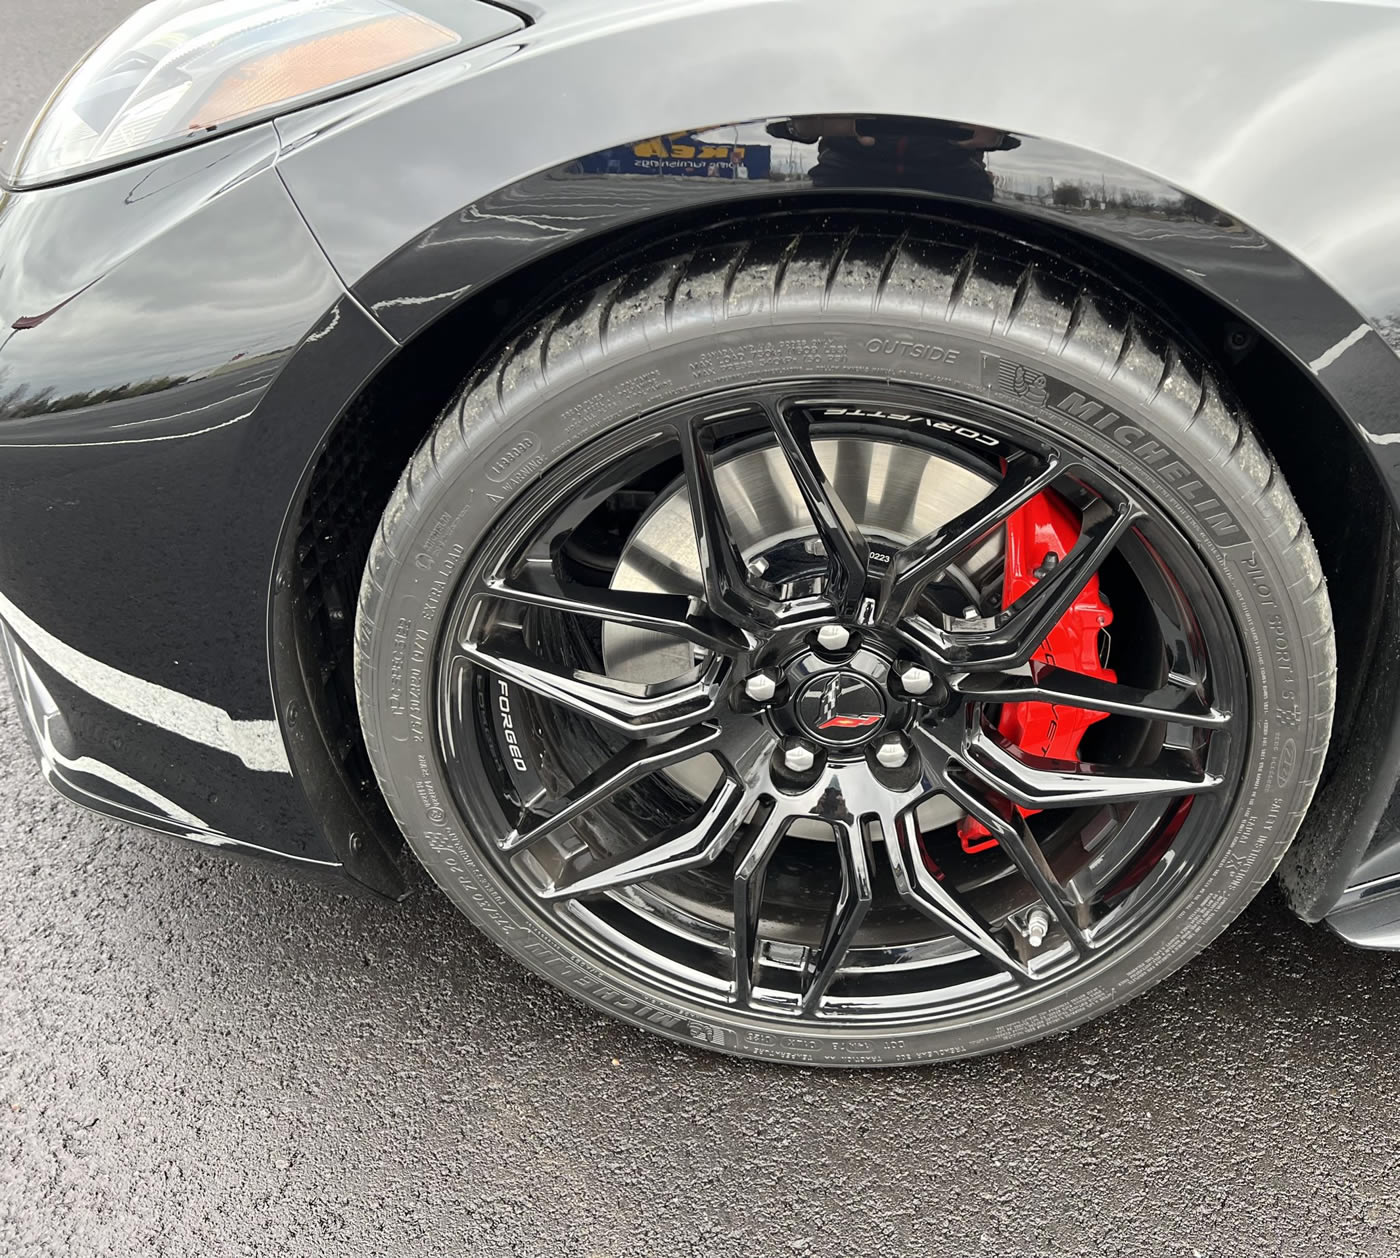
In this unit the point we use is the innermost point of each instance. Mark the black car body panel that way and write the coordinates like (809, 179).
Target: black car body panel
(133, 371)
(183, 334)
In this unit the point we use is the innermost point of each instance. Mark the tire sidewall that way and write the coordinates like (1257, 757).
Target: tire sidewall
(501, 443)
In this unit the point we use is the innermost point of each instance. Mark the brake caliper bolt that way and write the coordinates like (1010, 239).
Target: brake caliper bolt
(833, 637)
(798, 757)
(916, 679)
(761, 687)
(892, 753)
(1037, 927)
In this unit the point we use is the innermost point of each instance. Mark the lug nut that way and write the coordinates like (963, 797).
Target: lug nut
(892, 753)
(761, 687)
(833, 637)
(916, 679)
(798, 757)
(1037, 927)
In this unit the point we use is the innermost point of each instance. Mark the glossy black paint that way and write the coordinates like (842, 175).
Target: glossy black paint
(180, 338)
(147, 313)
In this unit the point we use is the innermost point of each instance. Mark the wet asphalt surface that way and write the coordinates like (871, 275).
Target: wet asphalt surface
(202, 1057)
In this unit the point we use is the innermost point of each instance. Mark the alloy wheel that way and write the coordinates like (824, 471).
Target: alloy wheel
(724, 688)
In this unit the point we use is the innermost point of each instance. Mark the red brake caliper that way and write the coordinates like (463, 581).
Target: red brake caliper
(1047, 526)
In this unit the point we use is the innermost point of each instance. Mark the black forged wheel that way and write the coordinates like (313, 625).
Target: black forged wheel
(691, 662)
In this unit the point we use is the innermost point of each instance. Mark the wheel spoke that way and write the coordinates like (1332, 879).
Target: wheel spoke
(1038, 784)
(723, 571)
(847, 554)
(537, 586)
(920, 888)
(847, 913)
(750, 878)
(686, 846)
(634, 762)
(926, 559)
(1179, 705)
(637, 711)
(1009, 828)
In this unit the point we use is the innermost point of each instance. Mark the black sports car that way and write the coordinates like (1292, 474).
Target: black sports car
(850, 534)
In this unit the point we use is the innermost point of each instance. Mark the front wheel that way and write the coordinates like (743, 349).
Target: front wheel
(847, 648)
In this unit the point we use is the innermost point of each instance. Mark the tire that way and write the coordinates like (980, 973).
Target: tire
(980, 322)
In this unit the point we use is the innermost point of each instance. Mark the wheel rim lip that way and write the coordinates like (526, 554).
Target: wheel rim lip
(1171, 881)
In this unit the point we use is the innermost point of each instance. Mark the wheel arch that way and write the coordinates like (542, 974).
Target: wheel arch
(454, 292)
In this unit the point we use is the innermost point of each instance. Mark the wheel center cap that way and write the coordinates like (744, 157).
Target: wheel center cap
(840, 708)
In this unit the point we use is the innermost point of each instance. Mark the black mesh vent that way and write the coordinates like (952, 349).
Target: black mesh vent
(349, 487)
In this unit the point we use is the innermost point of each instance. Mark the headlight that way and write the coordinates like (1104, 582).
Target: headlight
(179, 71)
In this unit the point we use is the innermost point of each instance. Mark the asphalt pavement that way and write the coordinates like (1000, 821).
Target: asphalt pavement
(199, 1057)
